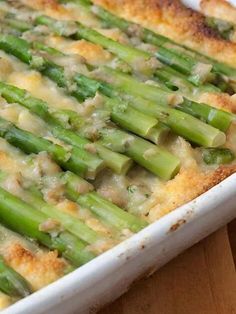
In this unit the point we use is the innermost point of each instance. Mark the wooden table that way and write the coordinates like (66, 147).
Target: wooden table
(202, 280)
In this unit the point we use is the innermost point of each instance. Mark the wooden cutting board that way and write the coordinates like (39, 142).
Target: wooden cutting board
(202, 280)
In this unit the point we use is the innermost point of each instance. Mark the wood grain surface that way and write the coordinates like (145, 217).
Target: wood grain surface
(202, 280)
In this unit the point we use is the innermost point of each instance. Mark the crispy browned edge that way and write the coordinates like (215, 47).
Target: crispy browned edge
(220, 9)
(172, 19)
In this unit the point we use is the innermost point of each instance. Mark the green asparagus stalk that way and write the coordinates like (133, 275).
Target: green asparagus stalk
(104, 209)
(219, 68)
(76, 160)
(166, 75)
(217, 156)
(190, 128)
(219, 119)
(177, 82)
(131, 85)
(152, 157)
(12, 283)
(156, 167)
(117, 162)
(68, 222)
(213, 116)
(28, 221)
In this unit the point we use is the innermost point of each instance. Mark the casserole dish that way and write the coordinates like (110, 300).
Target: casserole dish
(110, 274)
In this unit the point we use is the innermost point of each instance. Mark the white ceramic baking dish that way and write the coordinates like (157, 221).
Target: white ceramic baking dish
(108, 276)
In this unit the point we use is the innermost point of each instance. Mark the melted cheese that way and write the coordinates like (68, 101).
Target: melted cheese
(94, 54)
(42, 88)
(39, 267)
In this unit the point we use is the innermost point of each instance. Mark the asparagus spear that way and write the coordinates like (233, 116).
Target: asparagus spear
(123, 81)
(215, 117)
(26, 220)
(218, 118)
(12, 283)
(71, 224)
(166, 75)
(68, 222)
(219, 68)
(217, 156)
(190, 128)
(152, 157)
(104, 209)
(131, 85)
(177, 81)
(117, 162)
(76, 160)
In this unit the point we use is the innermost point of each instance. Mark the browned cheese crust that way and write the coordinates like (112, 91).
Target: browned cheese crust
(187, 185)
(172, 19)
(221, 101)
(39, 268)
(220, 9)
